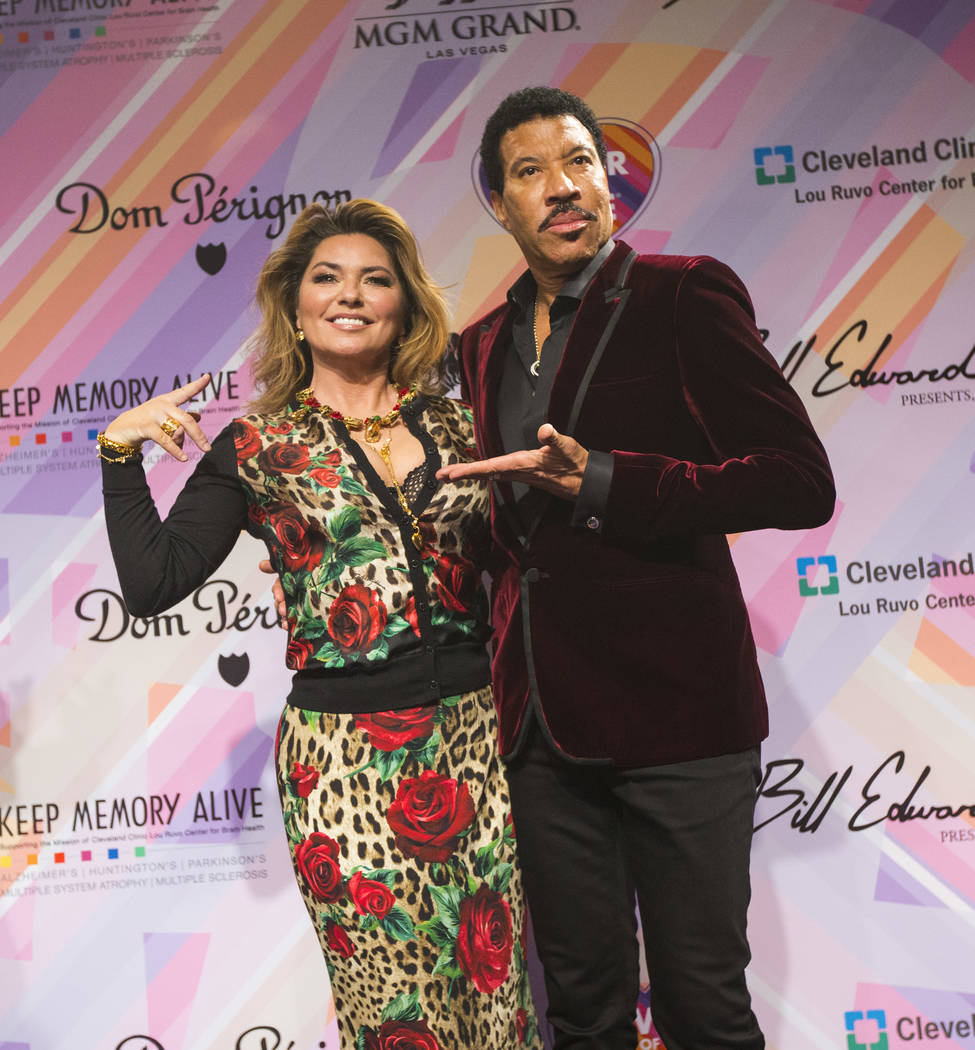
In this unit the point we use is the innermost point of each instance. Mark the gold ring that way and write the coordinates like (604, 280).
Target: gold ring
(169, 426)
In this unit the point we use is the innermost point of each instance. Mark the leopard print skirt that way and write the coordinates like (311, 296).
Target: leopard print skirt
(400, 832)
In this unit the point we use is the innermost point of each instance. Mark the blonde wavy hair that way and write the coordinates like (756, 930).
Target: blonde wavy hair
(282, 365)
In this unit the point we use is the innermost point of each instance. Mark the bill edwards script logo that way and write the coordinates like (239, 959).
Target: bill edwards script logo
(886, 793)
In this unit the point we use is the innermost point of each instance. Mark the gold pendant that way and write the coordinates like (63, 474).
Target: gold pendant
(373, 431)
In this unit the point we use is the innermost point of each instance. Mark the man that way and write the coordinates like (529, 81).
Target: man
(629, 417)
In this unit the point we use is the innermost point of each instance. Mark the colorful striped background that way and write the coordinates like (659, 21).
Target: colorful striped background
(96, 946)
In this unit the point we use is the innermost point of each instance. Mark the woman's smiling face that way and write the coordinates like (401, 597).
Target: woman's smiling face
(351, 301)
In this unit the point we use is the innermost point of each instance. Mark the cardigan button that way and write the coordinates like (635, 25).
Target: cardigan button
(532, 576)
(592, 522)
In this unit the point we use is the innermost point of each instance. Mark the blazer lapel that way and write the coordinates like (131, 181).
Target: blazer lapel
(592, 329)
(492, 342)
(595, 321)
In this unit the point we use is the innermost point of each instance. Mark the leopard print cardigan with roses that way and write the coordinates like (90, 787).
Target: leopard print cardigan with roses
(373, 623)
(359, 593)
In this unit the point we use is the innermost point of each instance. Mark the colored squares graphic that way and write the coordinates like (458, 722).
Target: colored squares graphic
(40, 439)
(92, 434)
(66, 436)
(866, 1030)
(86, 854)
(140, 851)
(803, 567)
(58, 858)
(23, 38)
(31, 859)
(780, 159)
(113, 854)
(74, 34)
(99, 30)
(14, 440)
(5, 862)
(48, 34)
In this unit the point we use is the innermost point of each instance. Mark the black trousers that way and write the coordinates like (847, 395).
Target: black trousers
(679, 836)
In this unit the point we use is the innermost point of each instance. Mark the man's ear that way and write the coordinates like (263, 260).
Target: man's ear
(497, 202)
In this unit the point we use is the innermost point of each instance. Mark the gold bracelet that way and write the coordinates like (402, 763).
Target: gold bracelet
(122, 451)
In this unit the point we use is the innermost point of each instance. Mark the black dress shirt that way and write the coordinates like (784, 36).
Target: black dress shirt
(524, 398)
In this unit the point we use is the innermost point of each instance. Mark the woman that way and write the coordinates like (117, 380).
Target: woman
(394, 800)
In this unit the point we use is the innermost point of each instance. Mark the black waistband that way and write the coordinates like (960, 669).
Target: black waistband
(408, 680)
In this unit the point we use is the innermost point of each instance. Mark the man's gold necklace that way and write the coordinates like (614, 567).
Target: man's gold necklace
(538, 350)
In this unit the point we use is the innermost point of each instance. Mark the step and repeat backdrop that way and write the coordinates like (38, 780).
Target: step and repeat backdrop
(152, 152)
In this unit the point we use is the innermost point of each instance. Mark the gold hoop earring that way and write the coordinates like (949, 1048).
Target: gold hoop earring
(300, 335)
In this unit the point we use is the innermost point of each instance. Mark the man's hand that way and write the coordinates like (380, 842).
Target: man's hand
(277, 591)
(557, 466)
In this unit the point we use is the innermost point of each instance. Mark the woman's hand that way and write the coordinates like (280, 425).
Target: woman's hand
(145, 421)
(277, 591)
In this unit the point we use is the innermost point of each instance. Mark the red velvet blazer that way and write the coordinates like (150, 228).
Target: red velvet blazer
(633, 642)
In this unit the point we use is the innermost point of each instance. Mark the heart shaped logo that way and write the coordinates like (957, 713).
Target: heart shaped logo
(632, 165)
(211, 257)
(234, 668)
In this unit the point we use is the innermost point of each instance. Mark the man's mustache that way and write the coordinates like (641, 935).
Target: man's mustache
(565, 209)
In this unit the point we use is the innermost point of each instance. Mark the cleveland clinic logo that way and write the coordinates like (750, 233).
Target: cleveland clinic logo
(774, 164)
(632, 165)
(866, 1030)
(810, 569)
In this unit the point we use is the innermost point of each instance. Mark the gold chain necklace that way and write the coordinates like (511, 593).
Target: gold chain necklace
(538, 350)
(371, 425)
(383, 451)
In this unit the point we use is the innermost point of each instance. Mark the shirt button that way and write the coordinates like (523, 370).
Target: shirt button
(592, 522)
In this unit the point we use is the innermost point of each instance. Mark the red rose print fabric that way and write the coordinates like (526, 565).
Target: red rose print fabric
(403, 847)
(315, 862)
(429, 814)
(357, 618)
(392, 730)
(484, 941)
(398, 820)
(342, 558)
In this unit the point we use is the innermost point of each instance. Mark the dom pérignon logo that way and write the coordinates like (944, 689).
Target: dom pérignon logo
(211, 257)
(234, 668)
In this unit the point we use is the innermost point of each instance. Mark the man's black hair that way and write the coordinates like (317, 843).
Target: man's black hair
(528, 104)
